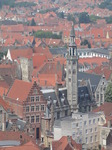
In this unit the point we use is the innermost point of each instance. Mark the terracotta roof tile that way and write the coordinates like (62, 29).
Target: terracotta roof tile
(5, 105)
(20, 89)
(63, 144)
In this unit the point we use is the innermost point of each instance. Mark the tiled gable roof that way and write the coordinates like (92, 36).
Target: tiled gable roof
(21, 53)
(106, 108)
(19, 90)
(5, 105)
(63, 144)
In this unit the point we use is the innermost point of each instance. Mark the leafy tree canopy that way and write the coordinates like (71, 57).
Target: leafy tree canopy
(2, 54)
(43, 34)
(12, 3)
(84, 18)
(33, 23)
(106, 4)
(86, 42)
(108, 93)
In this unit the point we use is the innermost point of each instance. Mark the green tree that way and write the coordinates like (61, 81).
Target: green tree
(84, 18)
(60, 15)
(70, 17)
(33, 23)
(86, 42)
(43, 34)
(108, 19)
(2, 54)
(108, 93)
(94, 18)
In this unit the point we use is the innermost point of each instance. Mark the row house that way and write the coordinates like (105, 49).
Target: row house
(28, 103)
(84, 128)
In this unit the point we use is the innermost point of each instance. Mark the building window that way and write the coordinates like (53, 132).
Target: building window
(66, 112)
(69, 71)
(89, 121)
(98, 119)
(69, 79)
(69, 62)
(32, 99)
(93, 120)
(32, 108)
(32, 119)
(27, 108)
(35, 91)
(37, 118)
(95, 138)
(95, 129)
(37, 108)
(91, 130)
(86, 131)
(76, 124)
(74, 63)
(86, 140)
(37, 98)
(98, 96)
(27, 118)
(84, 123)
(91, 139)
(42, 107)
(58, 115)
(74, 71)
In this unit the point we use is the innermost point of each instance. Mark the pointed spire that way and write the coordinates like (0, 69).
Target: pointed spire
(9, 55)
(72, 33)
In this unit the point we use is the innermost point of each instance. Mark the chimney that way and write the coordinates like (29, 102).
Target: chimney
(69, 139)
(3, 121)
(109, 123)
(57, 89)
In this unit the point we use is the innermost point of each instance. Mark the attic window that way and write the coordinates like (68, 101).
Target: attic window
(20, 136)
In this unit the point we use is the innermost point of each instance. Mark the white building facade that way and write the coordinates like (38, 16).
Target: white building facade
(84, 128)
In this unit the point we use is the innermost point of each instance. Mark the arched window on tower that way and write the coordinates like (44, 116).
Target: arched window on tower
(73, 51)
(70, 51)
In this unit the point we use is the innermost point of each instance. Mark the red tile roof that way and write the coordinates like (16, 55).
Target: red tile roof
(106, 108)
(21, 53)
(102, 70)
(5, 105)
(27, 146)
(20, 89)
(96, 60)
(63, 144)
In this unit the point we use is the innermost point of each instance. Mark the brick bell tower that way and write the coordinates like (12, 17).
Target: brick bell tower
(71, 73)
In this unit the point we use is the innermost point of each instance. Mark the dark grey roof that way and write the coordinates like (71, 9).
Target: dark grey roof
(63, 50)
(95, 50)
(8, 22)
(60, 50)
(50, 94)
(9, 143)
(83, 95)
(12, 47)
(19, 123)
(94, 79)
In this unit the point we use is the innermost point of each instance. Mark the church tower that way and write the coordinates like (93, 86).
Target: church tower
(71, 73)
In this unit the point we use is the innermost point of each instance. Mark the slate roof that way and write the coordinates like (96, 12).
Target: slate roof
(94, 79)
(63, 50)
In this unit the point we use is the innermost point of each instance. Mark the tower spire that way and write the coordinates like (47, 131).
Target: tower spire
(71, 73)
(72, 33)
